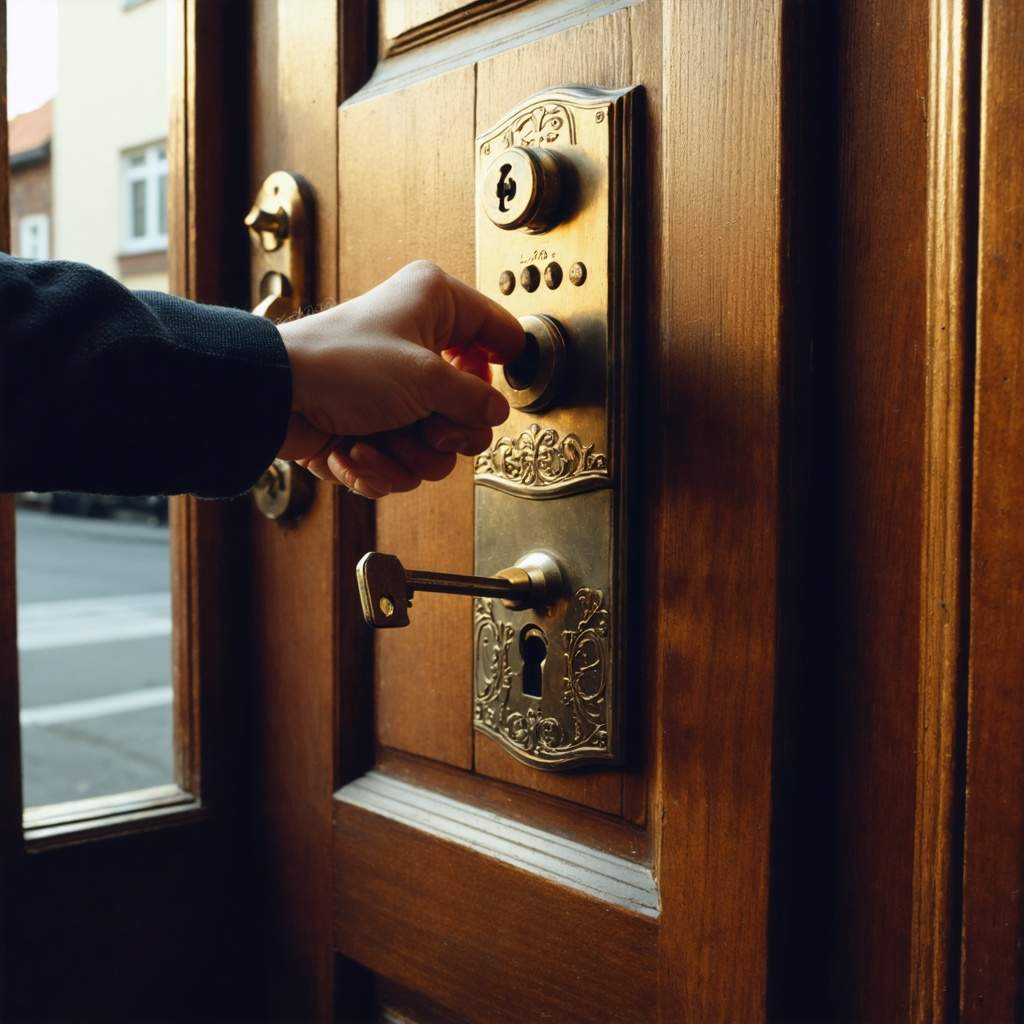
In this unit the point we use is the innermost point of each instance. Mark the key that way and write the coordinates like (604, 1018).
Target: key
(386, 587)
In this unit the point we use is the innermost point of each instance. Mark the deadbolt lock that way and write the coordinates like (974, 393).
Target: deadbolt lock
(525, 188)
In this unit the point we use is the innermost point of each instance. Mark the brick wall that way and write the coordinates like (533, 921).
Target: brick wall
(31, 192)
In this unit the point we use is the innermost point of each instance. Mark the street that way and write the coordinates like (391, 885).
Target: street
(94, 636)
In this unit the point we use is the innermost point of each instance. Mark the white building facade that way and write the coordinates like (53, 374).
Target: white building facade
(110, 139)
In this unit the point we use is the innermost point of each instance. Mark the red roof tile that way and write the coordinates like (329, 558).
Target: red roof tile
(31, 130)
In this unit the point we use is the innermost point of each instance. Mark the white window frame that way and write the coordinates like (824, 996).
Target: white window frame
(41, 221)
(149, 171)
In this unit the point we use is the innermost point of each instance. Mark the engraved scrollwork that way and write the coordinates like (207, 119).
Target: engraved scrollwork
(586, 670)
(494, 672)
(537, 735)
(539, 459)
(541, 125)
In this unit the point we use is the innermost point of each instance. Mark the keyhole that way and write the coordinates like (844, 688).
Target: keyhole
(533, 646)
(506, 187)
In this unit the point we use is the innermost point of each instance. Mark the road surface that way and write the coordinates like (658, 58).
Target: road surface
(94, 635)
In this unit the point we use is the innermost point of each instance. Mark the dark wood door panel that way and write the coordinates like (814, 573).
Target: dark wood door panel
(488, 918)
(992, 978)
(406, 192)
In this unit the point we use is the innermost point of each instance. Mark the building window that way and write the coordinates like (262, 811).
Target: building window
(34, 236)
(144, 177)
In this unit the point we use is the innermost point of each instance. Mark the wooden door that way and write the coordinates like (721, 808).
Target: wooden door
(827, 567)
(411, 862)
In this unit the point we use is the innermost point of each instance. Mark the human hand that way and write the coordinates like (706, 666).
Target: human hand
(388, 387)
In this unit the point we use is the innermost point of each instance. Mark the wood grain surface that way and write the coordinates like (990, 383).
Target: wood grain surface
(992, 980)
(433, 922)
(294, 76)
(712, 564)
(876, 385)
(417, 203)
(948, 367)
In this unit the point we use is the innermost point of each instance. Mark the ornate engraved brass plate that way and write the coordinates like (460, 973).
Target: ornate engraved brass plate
(553, 236)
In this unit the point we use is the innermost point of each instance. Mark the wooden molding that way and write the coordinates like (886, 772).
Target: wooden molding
(408, 23)
(437, 886)
(518, 26)
(615, 880)
(118, 814)
(949, 350)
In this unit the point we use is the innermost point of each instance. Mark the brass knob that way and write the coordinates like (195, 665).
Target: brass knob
(533, 381)
(524, 188)
(386, 586)
(271, 228)
(284, 491)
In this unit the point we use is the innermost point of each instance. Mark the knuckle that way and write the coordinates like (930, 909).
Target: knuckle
(425, 274)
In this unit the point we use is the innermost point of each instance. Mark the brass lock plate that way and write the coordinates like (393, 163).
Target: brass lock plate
(553, 233)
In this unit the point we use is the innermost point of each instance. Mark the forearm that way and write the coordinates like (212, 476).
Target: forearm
(105, 390)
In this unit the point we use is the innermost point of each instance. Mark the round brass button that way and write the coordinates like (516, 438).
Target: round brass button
(522, 188)
(534, 379)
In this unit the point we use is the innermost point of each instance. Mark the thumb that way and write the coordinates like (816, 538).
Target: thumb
(465, 398)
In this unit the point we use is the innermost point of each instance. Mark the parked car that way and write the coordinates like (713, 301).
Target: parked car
(152, 507)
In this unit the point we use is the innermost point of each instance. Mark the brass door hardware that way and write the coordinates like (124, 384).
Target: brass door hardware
(284, 491)
(525, 188)
(280, 229)
(535, 377)
(553, 231)
(386, 586)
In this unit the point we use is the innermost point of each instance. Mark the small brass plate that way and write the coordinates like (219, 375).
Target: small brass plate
(281, 232)
(555, 478)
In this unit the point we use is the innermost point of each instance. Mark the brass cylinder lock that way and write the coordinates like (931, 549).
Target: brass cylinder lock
(534, 380)
(524, 188)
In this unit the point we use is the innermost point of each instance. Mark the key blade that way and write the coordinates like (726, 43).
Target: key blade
(383, 592)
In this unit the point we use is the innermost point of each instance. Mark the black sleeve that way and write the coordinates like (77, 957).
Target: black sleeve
(106, 390)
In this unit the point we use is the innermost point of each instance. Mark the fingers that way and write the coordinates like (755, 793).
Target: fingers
(458, 316)
(464, 398)
(397, 460)
(371, 462)
(360, 469)
(302, 440)
(482, 323)
(444, 436)
(470, 360)
(421, 460)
